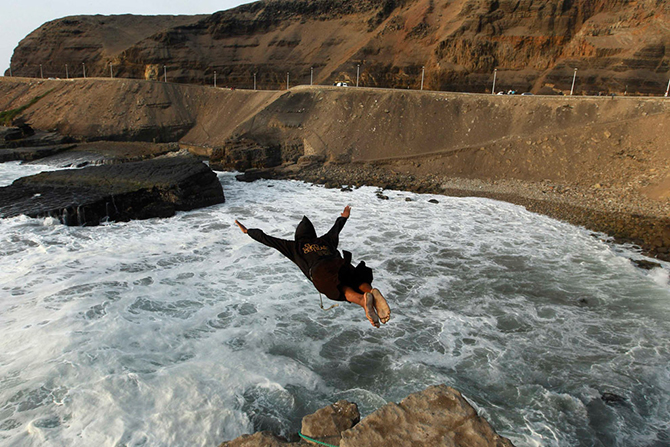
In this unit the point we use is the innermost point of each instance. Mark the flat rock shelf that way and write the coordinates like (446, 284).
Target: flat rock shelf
(122, 192)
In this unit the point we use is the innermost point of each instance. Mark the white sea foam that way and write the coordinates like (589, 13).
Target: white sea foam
(184, 331)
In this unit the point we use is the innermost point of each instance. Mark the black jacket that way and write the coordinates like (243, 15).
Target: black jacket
(307, 250)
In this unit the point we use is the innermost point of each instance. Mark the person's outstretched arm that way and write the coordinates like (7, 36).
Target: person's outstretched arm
(282, 245)
(333, 234)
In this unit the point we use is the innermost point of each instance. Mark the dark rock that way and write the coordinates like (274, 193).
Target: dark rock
(612, 399)
(327, 424)
(644, 264)
(309, 160)
(408, 199)
(433, 201)
(382, 197)
(25, 136)
(346, 188)
(251, 175)
(32, 153)
(244, 154)
(332, 185)
(140, 190)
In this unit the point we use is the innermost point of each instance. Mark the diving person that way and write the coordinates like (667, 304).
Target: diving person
(331, 273)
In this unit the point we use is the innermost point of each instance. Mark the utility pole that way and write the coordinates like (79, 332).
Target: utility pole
(111, 70)
(83, 69)
(574, 77)
(666, 90)
(41, 72)
(214, 78)
(254, 81)
(287, 78)
(423, 72)
(358, 73)
(67, 73)
(311, 75)
(495, 73)
(164, 73)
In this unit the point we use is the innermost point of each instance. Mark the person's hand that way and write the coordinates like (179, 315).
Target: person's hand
(346, 212)
(242, 227)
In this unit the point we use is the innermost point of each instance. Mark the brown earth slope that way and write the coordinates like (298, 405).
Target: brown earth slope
(616, 45)
(599, 162)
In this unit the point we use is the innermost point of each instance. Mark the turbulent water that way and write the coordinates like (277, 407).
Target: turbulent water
(184, 331)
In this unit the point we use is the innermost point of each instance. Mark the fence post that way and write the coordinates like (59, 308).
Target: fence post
(423, 72)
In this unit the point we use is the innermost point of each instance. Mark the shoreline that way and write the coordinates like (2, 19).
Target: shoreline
(626, 216)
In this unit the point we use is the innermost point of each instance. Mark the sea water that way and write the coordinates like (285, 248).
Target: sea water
(184, 331)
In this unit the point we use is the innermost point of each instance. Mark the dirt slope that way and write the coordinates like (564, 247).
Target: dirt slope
(600, 162)
(578, 141)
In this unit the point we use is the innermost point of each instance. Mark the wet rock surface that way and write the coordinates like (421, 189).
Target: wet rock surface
(139, 190)
(437, 416)
(328, 423)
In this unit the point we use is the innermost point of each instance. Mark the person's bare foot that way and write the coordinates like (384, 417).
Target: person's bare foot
(369, 307)
(381, 306)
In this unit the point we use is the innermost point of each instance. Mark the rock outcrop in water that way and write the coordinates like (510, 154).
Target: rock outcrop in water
(121, 192)
(437, 416)
(616, 45)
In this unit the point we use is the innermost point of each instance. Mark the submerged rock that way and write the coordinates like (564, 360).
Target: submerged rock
(644, 264)
(140, 190)
(612, 399)
(251, 175)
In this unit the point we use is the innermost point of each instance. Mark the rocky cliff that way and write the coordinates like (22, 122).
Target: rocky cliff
(616, 45)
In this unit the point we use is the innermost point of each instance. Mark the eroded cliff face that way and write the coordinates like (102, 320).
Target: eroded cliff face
(616, 45)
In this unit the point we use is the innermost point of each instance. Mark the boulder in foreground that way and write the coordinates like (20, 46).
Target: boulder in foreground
(89, 196)
(437, 416)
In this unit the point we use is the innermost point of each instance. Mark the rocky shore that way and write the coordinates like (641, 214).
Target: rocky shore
(626, 216)
(603, 164)
(436, 416)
